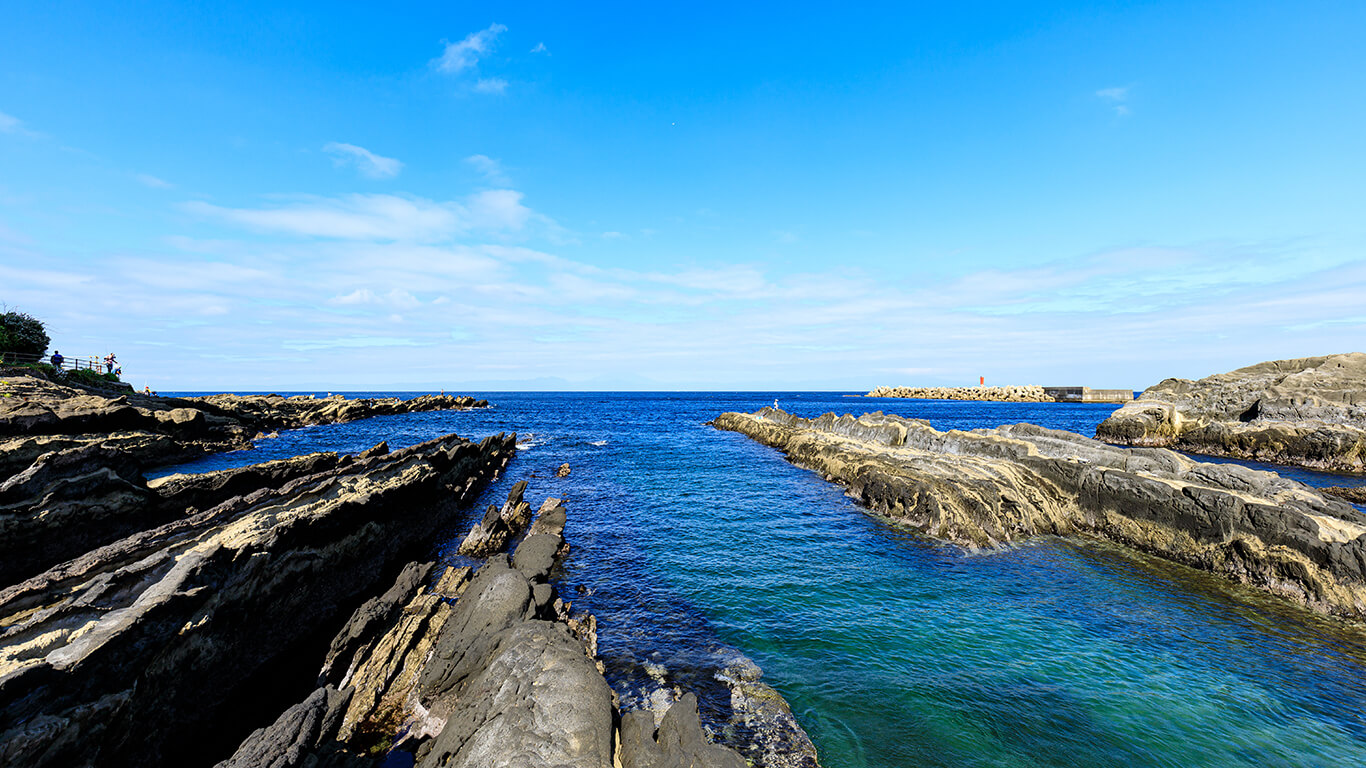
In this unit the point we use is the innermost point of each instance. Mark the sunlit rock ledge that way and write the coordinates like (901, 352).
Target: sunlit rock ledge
(1309, 412)
(990, 486)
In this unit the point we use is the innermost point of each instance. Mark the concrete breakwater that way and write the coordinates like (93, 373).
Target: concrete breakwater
(989, 486)
(1028, 393)
(1018, 394)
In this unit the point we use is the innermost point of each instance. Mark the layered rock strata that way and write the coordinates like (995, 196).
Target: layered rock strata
(71, 460)
(1308, 412)
(985, 487)
(1018, 394)
(148, 650)
(39, 416)
(502, 676)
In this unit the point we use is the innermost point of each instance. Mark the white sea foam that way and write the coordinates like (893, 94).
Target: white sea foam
(599, 443)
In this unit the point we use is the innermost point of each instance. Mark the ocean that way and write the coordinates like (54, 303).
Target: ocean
(698, 550)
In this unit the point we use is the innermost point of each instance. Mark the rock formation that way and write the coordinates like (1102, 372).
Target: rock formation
(503, 676)
(1019, 394)
(71, 460)
(39, 416)
(190, 622)
(1309, 412)
(984, 487)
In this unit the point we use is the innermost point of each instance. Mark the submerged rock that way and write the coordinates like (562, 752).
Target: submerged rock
(1308, 412)
(988, 486)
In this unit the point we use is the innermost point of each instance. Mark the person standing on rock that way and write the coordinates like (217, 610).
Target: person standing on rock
(57, 359)
(109, 361)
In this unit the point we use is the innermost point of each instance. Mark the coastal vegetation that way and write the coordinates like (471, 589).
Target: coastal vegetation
(22, 336)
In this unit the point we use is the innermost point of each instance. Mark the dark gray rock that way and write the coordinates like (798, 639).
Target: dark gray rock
(679, 742)
(68, 503)
(144, 652)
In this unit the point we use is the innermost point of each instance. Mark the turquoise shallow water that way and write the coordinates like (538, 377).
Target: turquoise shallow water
(693, 545)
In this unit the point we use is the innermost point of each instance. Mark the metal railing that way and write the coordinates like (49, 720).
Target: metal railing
(87, 363)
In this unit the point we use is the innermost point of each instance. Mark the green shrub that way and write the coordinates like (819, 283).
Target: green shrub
(94, 378)
(22, 333)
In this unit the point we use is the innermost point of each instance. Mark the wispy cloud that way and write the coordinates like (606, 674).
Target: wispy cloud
(383, 217)
(465, 54)
(14, 126)
(368, 163)
(540, 48)
(1116, 96)
(491, 169)
(152, 181)
(491, 85)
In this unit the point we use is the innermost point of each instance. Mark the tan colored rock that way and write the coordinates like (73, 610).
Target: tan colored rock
(1308, 412)
(984, 487)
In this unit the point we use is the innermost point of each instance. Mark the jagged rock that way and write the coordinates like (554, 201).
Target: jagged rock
(36, 406)
(544, 543)
(498, 526)
(679, 742)
(988, 486)
(144, 652)
(502, 679)
(300, 738)
(1355, 495)
(379, 450)
(1308, 412)
(563, 471)
(179, 492)
(513, 690)
(67, 503)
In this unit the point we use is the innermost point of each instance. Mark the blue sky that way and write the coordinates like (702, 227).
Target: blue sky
(708, 196)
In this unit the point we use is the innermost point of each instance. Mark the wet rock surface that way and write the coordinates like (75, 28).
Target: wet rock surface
(984, 487)
(1308, 412)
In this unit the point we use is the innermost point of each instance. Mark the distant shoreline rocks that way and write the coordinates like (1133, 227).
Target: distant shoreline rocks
(1308, 412)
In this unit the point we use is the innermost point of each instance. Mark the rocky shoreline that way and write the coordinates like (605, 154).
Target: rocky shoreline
(986, 487)
(184, 620)
(1018, 394)
(1308, 412)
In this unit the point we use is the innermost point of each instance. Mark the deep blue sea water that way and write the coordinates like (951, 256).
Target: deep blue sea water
(693, 546)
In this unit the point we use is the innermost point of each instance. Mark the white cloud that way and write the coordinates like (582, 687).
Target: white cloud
(385, 217)
(612, 236)
(351, 217)
(491, 85)
(540, 48)
(465, 54)
(368, 163)
(1116, 96)
(152, 181)
(14, 126)
(490, 168)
